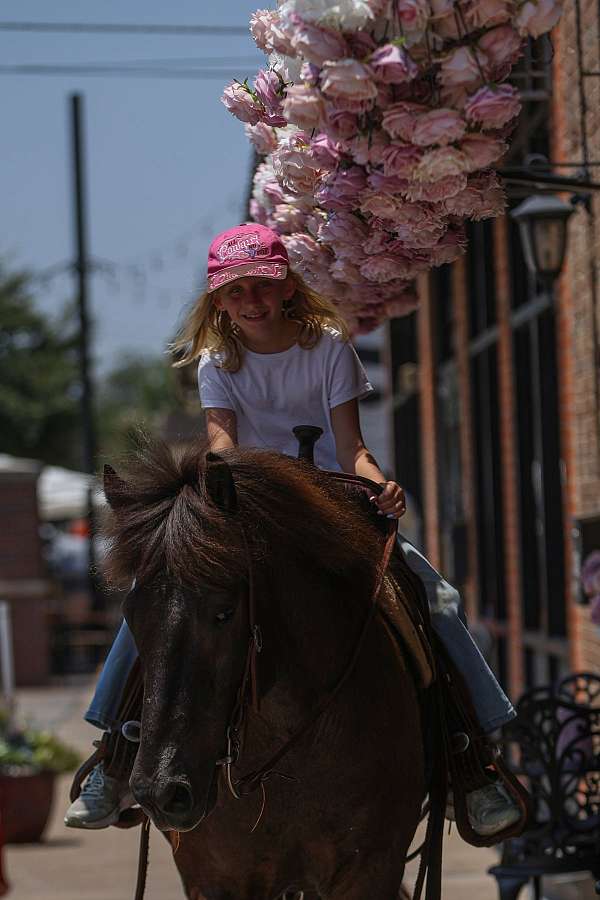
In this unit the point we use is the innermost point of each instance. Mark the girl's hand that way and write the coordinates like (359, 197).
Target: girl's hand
(391, 501)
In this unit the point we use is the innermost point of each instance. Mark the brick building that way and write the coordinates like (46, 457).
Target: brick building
(495, 381)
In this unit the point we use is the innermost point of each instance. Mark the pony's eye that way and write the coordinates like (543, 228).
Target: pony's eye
(224, 616)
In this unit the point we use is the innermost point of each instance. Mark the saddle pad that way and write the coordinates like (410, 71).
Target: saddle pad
(393, 604)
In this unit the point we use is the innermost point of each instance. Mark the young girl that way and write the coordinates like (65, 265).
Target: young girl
(273, 354)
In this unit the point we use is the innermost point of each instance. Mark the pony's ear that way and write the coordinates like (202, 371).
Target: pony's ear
(115, 488)
(220, 485)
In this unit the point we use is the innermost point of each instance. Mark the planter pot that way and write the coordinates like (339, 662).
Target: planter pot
(25, 803)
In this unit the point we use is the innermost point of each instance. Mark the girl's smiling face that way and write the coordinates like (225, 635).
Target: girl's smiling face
(255, 305)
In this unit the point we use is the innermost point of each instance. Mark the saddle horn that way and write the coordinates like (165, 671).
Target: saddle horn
(307, 436)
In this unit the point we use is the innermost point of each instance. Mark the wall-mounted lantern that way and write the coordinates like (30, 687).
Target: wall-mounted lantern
(542, 221)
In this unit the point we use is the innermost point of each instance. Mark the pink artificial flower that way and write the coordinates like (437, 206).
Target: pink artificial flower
(415, 237)
(439, 164)
(399, 120)
(263, 137)
(393, 65)
(402, 304)
(273, 192)
(384, 206)
(260, 26)
(482, 150)
(450, 247)
(378, 240)
(413, 14)
(348, 79)
(436, 191)
(461, 67)
(326, 151)
(314, 220)
(486, 13)
(502, 47)
(303, 105)
(595, 609)
(440, 126)
(385, 267)
(345, 270)
(301, 248)
(368, 149)
(257, 212)
(443, 20)
(338, 123)
(239, 101)
(493, 107)
(536, 17)
(279, 36)
(401, 159)
(268, 87)
(309, 74)
(296, 168)
(340, 191)
(482, 198)
(392, 183)
(287, 218)
(360, 44)
(343, 227)
(315, 43)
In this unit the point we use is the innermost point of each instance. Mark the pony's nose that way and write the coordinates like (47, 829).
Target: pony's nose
(173, 799)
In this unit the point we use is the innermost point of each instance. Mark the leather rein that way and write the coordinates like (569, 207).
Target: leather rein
(248, 693)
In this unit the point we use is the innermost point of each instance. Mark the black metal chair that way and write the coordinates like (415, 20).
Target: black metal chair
(555, 745)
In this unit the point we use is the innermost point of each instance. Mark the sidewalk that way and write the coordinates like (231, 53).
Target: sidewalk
(101, 865)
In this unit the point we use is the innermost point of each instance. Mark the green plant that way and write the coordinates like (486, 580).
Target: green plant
(29, 751)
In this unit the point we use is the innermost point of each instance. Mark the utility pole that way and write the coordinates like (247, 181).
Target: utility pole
(81, 269)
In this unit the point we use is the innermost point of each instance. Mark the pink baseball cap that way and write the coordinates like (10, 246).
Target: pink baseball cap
(246, 250)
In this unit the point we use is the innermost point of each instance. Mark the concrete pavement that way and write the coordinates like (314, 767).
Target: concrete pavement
(101, 865)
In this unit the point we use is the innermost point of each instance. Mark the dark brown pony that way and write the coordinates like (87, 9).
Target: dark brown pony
(337, 816)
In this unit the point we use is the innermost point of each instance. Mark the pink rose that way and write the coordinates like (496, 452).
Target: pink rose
(287, 219)
(273, 192)
(413, 14)
(367, 149)
(345, 270)
(415, 237)
(399, 120)
(343, 227)
(436, 165)
(340, 190)
(326, 151)
(257, 212)
(361, 44)
(348, 79)
(339, 124)
(315, 43)
(482, 198)
(263, 137)
(590, 574)
(303, 106)
(384, 267)
(279, 37)
(535, 17)
(440, 126)
(450, 247)
(402, 304)
(239, 100)
(493, 107)
(393, 65)
(296, 168)
(460, 67)
(309, 74)
(268, 88)
(392, 184)
(502, 47)
(401, 159)
(486, 13)
(436, 191)
(260, 25)
(482, 150)
(384, 206)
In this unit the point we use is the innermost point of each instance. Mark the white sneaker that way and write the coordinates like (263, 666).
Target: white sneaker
(101, 801)
(491, 809)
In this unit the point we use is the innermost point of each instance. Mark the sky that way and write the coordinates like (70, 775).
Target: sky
(167, 166)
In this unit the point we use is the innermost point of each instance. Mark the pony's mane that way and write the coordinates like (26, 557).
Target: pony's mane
(163, 522)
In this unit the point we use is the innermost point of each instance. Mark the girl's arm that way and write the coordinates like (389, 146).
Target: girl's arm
(221, 427)
(356, 459)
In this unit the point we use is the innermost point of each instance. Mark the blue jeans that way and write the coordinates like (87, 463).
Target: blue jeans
(492, 706)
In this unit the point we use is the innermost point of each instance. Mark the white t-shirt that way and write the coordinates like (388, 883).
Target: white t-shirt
(273, 392)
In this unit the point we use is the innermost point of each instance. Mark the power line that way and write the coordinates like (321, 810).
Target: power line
(124, 71)
(112, 28)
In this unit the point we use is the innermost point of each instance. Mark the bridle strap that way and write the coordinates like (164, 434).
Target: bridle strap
(250, 782)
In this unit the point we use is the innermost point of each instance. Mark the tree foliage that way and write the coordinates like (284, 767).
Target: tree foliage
(39, 381)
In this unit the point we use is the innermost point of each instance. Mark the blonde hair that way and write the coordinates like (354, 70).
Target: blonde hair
(208, 328)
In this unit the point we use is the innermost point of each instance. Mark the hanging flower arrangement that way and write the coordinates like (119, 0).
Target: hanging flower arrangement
(379, 122)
